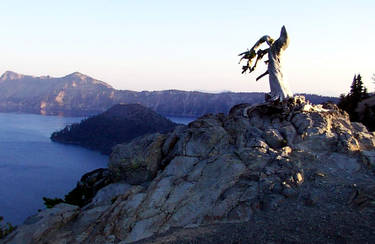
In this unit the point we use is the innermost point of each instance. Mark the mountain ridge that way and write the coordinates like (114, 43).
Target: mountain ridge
(77, 94)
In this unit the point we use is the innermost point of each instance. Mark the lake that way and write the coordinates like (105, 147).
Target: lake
(181, 120)
(32, 166)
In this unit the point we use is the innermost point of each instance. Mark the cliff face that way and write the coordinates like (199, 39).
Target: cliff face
(294, 163)
(80, 95)
(48, 95)
(119, 124)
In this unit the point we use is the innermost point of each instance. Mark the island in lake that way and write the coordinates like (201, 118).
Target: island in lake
(119, 124)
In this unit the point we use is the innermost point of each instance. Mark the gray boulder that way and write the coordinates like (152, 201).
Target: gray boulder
(39, 227)
(138, 161)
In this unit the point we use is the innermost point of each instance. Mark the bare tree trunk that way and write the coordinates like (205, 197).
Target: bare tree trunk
(279, 88)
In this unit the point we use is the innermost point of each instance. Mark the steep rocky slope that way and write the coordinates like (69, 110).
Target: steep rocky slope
(119, 124)
(80, 95)
(49, 95)
(290, 171)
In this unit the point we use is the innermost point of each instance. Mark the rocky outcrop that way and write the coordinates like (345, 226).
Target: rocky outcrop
(77, 94)
(36, 228)
(139, 161)
(293, 161)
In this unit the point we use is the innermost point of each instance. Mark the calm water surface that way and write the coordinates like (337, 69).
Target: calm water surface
(32, 166)
(181, 120)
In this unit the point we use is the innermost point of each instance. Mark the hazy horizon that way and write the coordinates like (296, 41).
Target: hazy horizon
(191, 46)
(203, 91)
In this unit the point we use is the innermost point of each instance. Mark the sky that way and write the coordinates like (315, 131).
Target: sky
(189, 45)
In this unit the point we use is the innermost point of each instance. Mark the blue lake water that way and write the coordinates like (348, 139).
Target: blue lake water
(181, 120)
(32, 166)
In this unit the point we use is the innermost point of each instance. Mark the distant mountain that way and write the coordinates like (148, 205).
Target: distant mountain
(80, 95)
(71, 94)
(119, 124)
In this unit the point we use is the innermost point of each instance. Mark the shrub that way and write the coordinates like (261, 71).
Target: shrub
(51, 202)
(5, 229)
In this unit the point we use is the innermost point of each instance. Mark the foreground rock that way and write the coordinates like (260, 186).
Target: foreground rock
(293, 162)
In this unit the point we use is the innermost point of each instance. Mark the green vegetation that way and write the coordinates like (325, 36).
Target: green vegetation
(79, 196)
(85, 190)
(51, 202)
(75, 197)
(349, 103)
(5, 229)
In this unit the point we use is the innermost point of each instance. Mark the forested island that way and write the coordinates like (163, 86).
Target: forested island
(119, 124)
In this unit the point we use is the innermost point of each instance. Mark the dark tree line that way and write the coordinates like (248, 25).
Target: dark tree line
(349, 103)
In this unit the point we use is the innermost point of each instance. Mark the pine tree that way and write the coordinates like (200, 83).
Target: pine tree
(357, 93)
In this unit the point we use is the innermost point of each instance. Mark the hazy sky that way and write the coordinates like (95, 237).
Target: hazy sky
(189, 45)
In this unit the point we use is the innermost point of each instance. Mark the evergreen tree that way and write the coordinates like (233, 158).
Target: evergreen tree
(357, 93)
(368, 117)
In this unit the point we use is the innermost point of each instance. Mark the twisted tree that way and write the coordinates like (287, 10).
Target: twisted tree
(279, 88)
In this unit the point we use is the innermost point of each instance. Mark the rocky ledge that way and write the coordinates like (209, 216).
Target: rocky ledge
(302, 165)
